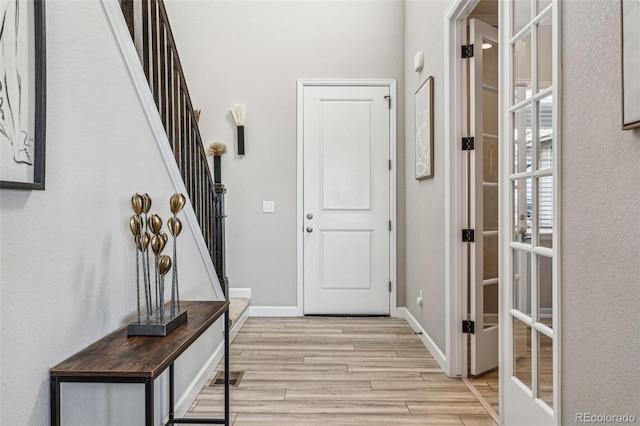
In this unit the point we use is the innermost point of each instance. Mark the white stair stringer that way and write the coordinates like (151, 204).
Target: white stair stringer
(130, 56)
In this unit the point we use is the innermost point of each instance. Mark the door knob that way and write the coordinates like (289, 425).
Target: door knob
(309, 229)
(309, 216)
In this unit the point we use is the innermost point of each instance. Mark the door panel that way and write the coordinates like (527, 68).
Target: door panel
(346, 260)
(529, 379)
(346, 200)
(345, 147)
(484, 198)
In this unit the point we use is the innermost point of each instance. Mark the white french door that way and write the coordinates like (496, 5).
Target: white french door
(346, 200)
(529, 158)
(484, 196)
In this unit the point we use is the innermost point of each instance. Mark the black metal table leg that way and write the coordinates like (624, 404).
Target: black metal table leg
(226, 367)
(171, 393)
(55, 401)
(148, 402)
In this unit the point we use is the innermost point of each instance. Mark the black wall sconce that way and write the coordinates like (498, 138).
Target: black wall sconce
(238, 116)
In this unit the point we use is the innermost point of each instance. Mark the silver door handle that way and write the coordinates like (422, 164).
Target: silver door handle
(309, 229)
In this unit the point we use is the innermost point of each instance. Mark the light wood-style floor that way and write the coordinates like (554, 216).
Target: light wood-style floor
(338, 371)
(488, 385)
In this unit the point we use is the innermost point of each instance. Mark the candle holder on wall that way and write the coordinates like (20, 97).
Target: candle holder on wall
(238, 116)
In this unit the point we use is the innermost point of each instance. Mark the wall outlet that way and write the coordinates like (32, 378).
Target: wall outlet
(419, 299)
(268, 207)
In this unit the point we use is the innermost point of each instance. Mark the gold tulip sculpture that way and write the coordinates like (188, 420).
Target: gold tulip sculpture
(154, 224)
(134, 224)
(148, 236)
(140, 205)
(164, 264)
(176, 204)
(146, 206)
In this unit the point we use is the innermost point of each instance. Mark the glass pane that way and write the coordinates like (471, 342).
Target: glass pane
(545, 369)
(522, 281)
(542, 4)
(490, 155)
(522, 152)
(544, 54)
(490, 207)
(521, 14)
(490, 112)
(545, 211)
(522, 69)
(522, 210)
(490, 294)
(545, 290)
(545, 133)
(490, 257)
(489, 63)
(522, 351)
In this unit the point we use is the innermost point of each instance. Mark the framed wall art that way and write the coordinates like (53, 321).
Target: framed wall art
(424, 130)
(22, 94)
(630, 12)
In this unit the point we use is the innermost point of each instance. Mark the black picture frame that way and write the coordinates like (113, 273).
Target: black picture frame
(630, 53)
(423, 109)
(39, 98)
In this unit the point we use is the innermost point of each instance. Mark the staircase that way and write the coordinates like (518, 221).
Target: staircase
(151, 33)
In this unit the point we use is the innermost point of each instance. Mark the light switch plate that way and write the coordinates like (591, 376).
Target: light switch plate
(268, 207)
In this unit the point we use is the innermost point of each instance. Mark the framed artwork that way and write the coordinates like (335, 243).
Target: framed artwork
(22, 94)
(424, 130)
(630, 63)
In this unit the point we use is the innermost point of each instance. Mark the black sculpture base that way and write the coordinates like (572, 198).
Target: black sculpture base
(156, 327)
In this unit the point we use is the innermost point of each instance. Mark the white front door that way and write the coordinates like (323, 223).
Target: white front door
(346, 201)
(484, 196)
(529, 138)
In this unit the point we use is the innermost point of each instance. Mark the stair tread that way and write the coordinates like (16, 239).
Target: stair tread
(237, 306)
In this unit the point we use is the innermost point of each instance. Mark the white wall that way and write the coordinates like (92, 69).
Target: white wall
(67, 259)
(425, 221)
(252, 52)
(600, 219)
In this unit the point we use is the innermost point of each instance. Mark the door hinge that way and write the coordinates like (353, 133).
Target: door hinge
(468, 144)
(389, 286)
(389, 164)
(389, 225)
(468, 235)
(468, 327)
(467, 51)
(389, 99)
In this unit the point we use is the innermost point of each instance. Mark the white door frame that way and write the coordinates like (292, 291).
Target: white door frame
(455, 104)
(301, 83)
(455, 116)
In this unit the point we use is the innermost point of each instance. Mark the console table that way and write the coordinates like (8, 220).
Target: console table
(117, 358)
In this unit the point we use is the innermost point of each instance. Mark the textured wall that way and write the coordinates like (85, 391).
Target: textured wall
(252, 52)
(600, 220)
(67, 259)
(424, 200)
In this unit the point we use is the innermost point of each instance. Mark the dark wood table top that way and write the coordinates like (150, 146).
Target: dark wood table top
(117, 355)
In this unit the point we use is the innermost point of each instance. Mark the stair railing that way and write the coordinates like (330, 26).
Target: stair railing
(150, 30)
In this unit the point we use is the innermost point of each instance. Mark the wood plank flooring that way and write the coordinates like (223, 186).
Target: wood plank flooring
(338, 371)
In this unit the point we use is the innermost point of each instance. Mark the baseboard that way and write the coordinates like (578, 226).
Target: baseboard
(427, 341)
(274, 311)
(239, 293)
